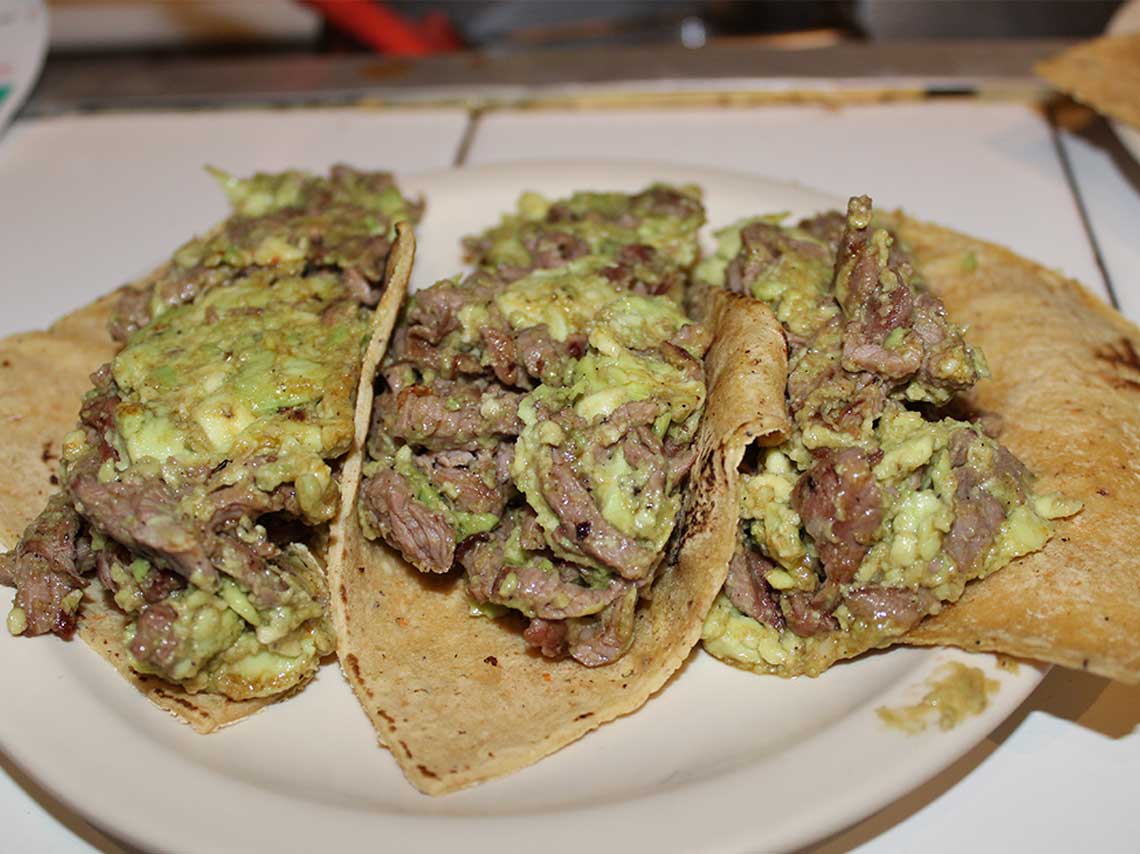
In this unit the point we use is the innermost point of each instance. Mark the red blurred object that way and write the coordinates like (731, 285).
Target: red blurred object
(385, 31)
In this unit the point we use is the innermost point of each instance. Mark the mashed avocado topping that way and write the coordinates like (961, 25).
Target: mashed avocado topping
(263, 367)
(876, 510)
(601, 224)
(210, 445)
(959, 693)
(535, 418)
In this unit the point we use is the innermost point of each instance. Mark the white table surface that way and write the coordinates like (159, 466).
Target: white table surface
(1057, 775)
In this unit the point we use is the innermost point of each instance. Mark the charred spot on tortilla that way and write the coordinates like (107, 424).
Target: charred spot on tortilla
(534, 421)
(210, 449)
(880, 506)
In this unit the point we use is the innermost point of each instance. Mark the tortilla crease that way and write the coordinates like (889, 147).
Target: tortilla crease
(461, 699)
(34, 424)
(1066, 382)
(1103, 73)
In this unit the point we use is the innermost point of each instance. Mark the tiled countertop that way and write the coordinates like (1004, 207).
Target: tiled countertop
(1060, 773)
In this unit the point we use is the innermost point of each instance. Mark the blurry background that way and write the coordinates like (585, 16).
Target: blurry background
(408, 27)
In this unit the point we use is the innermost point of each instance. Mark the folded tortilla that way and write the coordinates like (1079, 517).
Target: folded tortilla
(1103, 73)
(35, 423)
(1066, 382)
(461, 699)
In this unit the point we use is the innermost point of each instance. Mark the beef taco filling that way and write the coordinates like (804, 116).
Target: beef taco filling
(880, 507)
(534, 421)
(208, 451)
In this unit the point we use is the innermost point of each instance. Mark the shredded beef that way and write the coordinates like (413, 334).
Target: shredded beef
(897, 605)
(447, 414)
(550, 249)
(763, 245)
(470, 480)
(155, 643)
(553, 592)
(422, 535)
(977, 514)
(893, 330)
(544, 358)
(747, 588)
(45, 566)
(547, 636)
(641, 269)
(582, 525)
(841, 505)
(602, 639)
(804, 617)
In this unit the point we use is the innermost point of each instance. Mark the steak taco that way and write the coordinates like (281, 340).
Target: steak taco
(884, 501)
(519, 575)
(211, 453)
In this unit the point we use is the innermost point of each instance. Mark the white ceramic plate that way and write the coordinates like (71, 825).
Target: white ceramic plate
(1126, 20)
(721, 760)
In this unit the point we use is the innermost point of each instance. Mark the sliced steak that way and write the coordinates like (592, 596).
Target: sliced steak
(603, 639)
(155, 643)
(894, 330)
(544, 358)
(547, 636)
(803, 617)
(582, 527)
(447, 414)
(820, 390)
(499, 347)
(748, 589)
(422, 535)
(552, 248)
(550, 592)
(763, 246)
(641, 269)
(470, 480)
(876, 604)
(841, 505)
(44, 567)
(977, 514)
(826, 227)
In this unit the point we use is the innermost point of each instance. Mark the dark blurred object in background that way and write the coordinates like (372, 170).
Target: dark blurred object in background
(413, 27)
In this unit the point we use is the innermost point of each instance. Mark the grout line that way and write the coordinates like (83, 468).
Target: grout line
(474, 117)
(1082, 210)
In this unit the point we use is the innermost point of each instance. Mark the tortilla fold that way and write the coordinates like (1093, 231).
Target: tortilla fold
(1066, 382)
(461, 699)
(1103, 73)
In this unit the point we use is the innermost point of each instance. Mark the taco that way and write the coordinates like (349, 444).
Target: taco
(517, 574)
(884, 502)
(183, 539)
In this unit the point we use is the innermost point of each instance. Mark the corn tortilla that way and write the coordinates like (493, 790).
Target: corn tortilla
(461, 699)
(1103, 73)
(1066, 382)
